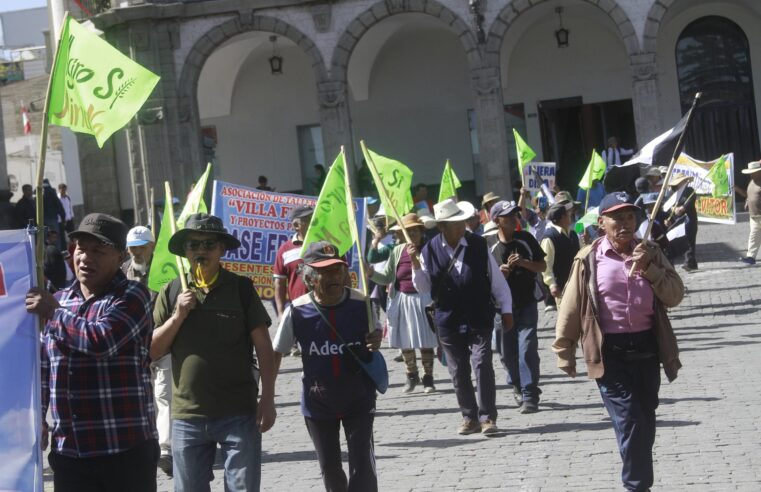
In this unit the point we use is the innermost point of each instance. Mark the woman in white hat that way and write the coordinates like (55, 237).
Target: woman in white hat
(407, 323)
(753, 205)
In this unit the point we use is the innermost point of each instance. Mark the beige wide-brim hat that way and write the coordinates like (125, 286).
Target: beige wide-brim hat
(451, 211)
(678, 179)
(753, 167)
(489, 197)
(408, 221)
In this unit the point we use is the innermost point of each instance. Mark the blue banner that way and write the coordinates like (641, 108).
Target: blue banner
(20, 420)
(259, 219)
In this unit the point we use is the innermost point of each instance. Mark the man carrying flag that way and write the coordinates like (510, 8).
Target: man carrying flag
(210, 330)
(96, 378)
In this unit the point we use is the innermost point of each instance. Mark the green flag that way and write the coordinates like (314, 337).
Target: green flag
(163, 265)
(95, 89)
(395, 178)
(449, 183)
(719, 177)
(525, 153)
(330, 221)
(595, 171)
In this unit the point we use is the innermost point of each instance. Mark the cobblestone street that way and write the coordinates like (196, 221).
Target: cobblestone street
(708, 421)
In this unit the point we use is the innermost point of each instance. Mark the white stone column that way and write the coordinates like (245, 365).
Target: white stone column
(492, 133)
(647, 121)
(335, 121)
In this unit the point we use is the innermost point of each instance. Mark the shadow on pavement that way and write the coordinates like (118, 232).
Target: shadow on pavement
(710, 346)
(718, 289)
(430, 443)
(669, 401)
(716, 251)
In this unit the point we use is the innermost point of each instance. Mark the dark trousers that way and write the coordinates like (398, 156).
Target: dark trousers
(361, 449)
(629, 390)
(463, 350)
(129, 471)
(691, 231)
(519, 351)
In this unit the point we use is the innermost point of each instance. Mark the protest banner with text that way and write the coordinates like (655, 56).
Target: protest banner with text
(260, 220)
(545, 170)
(20, 419)
(717, 209)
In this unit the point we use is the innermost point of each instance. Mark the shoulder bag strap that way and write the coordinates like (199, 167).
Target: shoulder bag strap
(446, 272)
(338, 335)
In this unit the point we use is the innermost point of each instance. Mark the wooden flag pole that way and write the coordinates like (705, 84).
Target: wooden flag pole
(39, 209)
(586, 200)
(670, 171)
(173, 229)
(152, 216)
(382, 190)
(354, 230)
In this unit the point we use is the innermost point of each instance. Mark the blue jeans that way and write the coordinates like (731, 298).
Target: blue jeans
(194, 445)
(519, 351)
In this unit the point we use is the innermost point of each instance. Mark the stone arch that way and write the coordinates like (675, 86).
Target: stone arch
(206, 45)
(386, 8)
(653, 24)
(515, 8)
(187, 87)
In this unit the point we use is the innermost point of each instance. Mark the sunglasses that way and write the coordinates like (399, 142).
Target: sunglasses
(206, 244)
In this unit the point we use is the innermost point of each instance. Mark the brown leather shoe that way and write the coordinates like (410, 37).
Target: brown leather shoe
(488, 427)
(468, 427)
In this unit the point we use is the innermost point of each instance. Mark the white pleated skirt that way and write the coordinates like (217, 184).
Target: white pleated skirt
(407, 324)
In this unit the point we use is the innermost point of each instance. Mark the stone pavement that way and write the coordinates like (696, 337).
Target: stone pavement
(709, 420)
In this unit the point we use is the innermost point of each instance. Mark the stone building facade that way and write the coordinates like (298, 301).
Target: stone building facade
(355, 72)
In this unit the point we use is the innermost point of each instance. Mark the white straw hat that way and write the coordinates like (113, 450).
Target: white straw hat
(449, 211)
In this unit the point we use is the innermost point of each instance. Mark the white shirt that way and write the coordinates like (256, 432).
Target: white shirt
(612, 156)
(499, 288)
(67, 208)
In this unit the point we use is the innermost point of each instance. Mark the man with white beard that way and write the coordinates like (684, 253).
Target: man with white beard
(140, 244)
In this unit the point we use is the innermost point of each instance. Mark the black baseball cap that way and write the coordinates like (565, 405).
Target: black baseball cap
(105, 228)
(322, 254)
(301, 211)
(618, 200)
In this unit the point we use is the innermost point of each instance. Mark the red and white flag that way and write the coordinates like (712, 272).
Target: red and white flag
(26, 121)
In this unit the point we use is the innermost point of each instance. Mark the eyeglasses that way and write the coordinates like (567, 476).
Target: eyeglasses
(206, 244)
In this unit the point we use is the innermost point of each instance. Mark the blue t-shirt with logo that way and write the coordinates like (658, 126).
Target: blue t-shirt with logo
(334, 385)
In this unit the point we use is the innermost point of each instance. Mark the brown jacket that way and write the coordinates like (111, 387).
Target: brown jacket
(578, 315)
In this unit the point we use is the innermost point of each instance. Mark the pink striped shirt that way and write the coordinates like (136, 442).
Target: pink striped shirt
(625, 303)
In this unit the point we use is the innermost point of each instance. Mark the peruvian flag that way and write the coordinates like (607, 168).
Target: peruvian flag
(25, 119)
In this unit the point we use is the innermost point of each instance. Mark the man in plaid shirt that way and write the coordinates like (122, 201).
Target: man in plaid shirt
(95, 368)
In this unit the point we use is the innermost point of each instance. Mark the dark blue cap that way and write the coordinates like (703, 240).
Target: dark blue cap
(617, 200)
